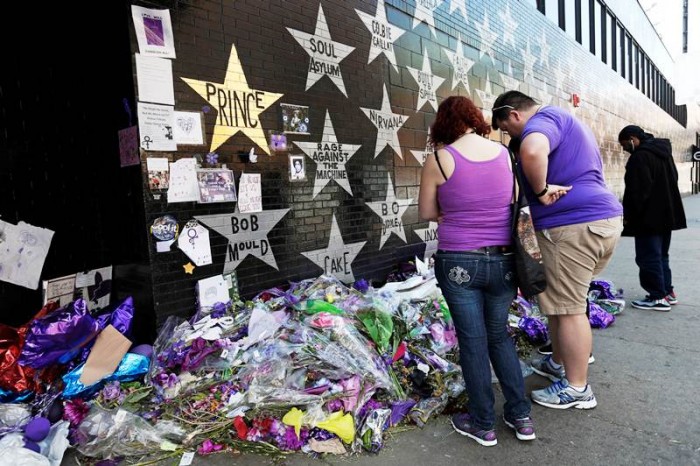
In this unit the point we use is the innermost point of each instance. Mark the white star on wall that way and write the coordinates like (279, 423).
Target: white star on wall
(488, 38)
(544, 49)
(529, 62)
(246, 235)
(542, 94)
(508, 80)
(425, 12)
(325, 54)
(383, 33)
(330, 157)
(390, 210)
(428, 83)
(228, 121)
(421, 155)
(460, 5)
(337, 258)
(509, 26)
(430, 238)
(460, 65)
(487, 98)
(559, 77)
(387, 124)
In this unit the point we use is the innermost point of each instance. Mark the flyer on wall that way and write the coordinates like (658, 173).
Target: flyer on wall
(216, 185)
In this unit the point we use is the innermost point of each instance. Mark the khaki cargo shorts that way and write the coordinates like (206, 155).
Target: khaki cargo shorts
(572, 256)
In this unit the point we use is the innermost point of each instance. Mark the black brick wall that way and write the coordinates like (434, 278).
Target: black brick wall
(273, 61)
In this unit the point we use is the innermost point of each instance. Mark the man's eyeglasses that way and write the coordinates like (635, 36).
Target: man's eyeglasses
(494, 110)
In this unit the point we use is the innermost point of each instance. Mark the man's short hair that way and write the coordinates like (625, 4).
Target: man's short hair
(511, 100)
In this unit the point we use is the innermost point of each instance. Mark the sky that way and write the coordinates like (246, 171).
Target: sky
(667, 18)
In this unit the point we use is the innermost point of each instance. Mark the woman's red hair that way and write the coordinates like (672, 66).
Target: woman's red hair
(455, 116)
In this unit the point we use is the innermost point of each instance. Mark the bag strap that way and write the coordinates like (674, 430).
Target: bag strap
(437, 159)
(520, 200)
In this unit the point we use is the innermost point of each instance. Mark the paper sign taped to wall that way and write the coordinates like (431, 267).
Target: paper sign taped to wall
(23, 250)
(249, 193)
(61, 290)
(110, 347)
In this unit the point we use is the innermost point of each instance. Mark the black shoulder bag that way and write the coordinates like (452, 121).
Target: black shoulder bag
(528, 258)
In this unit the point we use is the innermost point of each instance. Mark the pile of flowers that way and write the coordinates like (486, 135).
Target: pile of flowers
(317, 367)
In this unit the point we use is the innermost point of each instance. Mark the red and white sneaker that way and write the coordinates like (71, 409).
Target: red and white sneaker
(671, 298)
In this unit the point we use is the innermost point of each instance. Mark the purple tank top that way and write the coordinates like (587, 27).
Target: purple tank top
(476, 203)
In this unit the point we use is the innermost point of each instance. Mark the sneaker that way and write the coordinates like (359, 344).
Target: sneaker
(462, 423)
(671, 298)
(560, 395)
(524, 428)
(653, 304)
(547, 349)
(544, 368)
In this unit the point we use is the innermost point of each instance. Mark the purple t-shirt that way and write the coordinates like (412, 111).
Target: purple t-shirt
(574, 160)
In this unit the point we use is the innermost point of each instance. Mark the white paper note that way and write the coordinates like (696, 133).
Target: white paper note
(23, 250)
(154, 31)
(183, 181)
(212, 290)
(154, 77)
(194, 242)
(156, 127)
(250, 193)
(188, 128)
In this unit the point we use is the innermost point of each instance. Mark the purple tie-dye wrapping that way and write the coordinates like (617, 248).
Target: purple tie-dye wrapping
(535, 330)
(598, 317)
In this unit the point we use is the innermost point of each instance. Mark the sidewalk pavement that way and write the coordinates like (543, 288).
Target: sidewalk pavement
(646, 380)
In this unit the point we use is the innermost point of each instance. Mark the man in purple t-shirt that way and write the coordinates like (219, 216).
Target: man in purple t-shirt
(578, 222)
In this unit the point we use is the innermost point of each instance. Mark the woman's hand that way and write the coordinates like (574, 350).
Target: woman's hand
(554, 192)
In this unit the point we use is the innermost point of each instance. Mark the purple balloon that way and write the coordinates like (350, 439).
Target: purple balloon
(33, 446)
(143, 350)
(37, 429)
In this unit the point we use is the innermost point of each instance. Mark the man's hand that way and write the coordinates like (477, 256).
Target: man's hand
(554, 192)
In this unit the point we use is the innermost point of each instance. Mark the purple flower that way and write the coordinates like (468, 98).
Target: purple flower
(361, 285)
(399, 409)
(334, 405)
(166, 380)
(212, 158)
(290, 441)
(320, 434)
(112, 392)
(218, 310)
(371, 405)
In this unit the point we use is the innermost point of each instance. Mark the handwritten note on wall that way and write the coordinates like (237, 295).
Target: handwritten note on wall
(250, 193)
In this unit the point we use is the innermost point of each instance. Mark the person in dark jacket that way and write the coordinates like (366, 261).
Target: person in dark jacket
(652, 210)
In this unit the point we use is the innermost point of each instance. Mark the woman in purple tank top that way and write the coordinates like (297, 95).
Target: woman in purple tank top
(467, 186)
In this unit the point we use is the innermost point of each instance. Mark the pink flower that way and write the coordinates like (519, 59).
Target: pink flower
(75, 411)
(209, 447)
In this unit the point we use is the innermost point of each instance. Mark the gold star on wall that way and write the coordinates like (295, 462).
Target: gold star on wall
(238, 106)
(189, 268)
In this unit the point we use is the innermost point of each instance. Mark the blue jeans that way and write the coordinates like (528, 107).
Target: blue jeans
(652, 258)
(479, 289)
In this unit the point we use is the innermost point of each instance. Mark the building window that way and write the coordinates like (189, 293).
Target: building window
(623, 70)
(612, 41)
(551, 10)
(598, 35)
(585, 23)
(592, 25)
